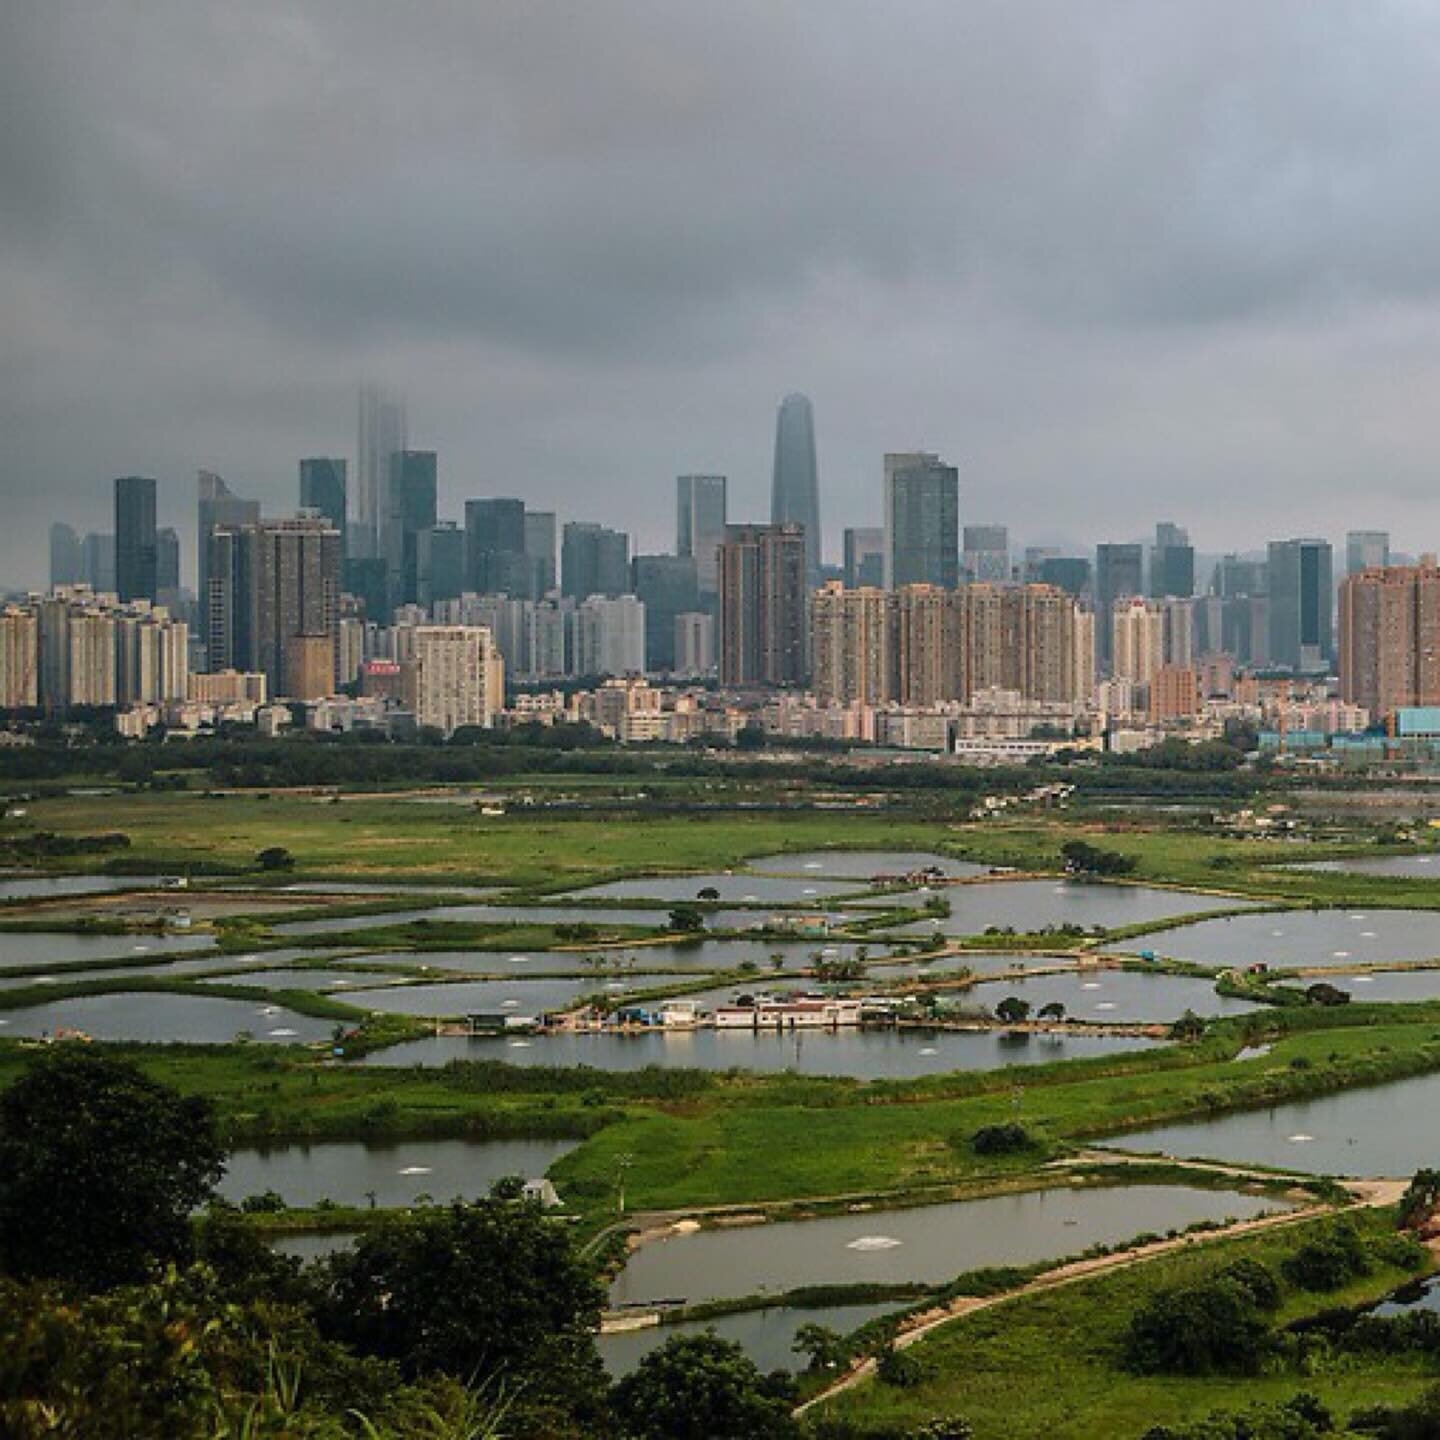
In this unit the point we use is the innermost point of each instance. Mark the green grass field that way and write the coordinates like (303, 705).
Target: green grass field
(378, 838)
(1050, 1364)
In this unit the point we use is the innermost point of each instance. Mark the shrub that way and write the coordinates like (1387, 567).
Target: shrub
(1200, 1329)
(1004, 1139)
(1329, 1261)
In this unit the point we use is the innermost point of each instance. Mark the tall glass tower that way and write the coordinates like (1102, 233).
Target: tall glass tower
(795, 494)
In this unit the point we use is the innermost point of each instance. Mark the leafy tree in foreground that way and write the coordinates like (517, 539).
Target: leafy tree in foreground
(180, 1359)
(700, 1387)
(489, 1291)
(100, 1170)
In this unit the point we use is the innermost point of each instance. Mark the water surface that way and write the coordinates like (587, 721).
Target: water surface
(1026, 905)
(931, 1243)
(347, 1171)
(1113, 995)
(160, 1017)
(1302, 937)
(766, 1336)
(867, 1055)
(1380, 1130)
(863, 864)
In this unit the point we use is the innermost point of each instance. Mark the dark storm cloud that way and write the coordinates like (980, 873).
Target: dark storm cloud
(1117, 259)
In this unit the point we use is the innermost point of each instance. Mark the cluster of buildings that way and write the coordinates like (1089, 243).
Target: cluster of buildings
(369, 608)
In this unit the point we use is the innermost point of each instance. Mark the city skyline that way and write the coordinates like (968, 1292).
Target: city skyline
(1224, 245)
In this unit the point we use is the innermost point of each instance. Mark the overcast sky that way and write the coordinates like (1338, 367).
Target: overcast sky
(1118, 261)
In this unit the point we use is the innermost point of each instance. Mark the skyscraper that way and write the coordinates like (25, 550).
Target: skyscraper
(795, 487)
(410, 508)
(1172, 563)
(540, 546)
(1364, 548)
(1119, 573)
(922, 521)
(383, 431)
(986, 553)
(440, 563)
(135, 558)
(668, 587)
(167, 560)
(864, 557)
(67, 556)
(700, 511)
(1070, 573)
(324, 486)
(99, 569)
(217, 505)
(1301, 609)
(594, 560)
(763, 594)
(497, 561)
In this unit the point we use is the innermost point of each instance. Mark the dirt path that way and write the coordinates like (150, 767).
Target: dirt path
(1367, 1193)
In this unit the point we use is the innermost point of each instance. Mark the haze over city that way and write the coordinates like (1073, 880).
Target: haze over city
(1114, 262)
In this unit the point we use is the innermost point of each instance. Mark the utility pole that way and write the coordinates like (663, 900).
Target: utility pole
(624, 1162)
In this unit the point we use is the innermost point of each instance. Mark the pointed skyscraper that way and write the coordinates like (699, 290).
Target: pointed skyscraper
(795, 495)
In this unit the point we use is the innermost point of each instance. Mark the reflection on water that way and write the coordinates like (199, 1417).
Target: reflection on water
(766, 1336)
(1302, 937)
(864, 1054)
(1380, 1130)
(930, 1243)
(348, 1171)
(149, 1017)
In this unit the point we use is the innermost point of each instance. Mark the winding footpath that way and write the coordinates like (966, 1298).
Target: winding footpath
(1365, 1193)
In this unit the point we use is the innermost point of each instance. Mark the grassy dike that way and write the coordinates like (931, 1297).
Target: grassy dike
(1050, 1362)
(692, 1139)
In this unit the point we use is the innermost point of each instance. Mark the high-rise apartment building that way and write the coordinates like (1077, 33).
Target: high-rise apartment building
(324, 486)
(863, 557)
(1119, 574)
(19, 658)
(1389, 651)
(851, 634)
(694, 643)
(923, 646)
(455, 677)
(609, 636)
(271, 583)
(383, 430)
(795, 484)
(922, 521)
(929, 646)
(135, 558)
(985, 554)
(594, 560)
(1301, 606)
(700, 516)
(1138, 639)
(1365, 549)
(763, 606)
(67, 555)
(668, 587)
